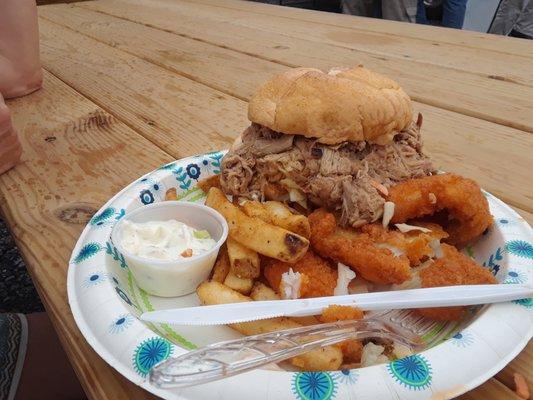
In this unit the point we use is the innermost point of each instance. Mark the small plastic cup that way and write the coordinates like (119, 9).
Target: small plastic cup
(176, 277)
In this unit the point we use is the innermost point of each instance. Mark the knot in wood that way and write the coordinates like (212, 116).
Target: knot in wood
(75, 213)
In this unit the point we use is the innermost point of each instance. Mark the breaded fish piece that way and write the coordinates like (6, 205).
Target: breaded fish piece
(357, 250)
(320, 276)
(336, 313)
(416, 245)
(467, 207)
(454, 268)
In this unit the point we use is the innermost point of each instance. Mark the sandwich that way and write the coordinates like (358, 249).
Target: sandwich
(336, 140)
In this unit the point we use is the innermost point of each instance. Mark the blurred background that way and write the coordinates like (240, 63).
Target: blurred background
(502, 17)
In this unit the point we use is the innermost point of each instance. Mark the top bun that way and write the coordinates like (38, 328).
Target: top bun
(343, 105)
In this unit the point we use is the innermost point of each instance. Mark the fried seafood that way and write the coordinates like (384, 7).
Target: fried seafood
(415, 244)
(319, 277)
(336, 313)
(454, 268)
(467, 207)
(357, 250)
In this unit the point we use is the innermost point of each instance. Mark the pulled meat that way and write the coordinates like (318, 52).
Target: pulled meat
(342, 177)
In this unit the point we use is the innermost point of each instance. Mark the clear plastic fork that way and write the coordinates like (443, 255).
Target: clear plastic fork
(224, 359)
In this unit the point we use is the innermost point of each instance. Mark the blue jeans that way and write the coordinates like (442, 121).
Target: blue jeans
(453, 13)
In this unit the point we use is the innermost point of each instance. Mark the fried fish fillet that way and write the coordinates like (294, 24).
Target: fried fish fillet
(416, 245)
(320, 277)
(454, 268)
(357, 250)
(466, 206)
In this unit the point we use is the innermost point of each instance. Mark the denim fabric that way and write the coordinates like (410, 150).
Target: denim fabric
(453, 13)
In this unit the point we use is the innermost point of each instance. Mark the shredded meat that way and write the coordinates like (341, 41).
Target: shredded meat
(361, 202)
(342, 178)
(261, 141)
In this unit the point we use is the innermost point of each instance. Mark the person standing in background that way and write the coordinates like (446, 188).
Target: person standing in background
(452, 12)
(514, 18)
(395, 10)
(449, 13)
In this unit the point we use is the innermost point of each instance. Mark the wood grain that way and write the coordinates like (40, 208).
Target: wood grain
(521, 364)
(490, 390)
(428, 52)
(479, 96)
(45, 2)
(228, 71)
(397, 47)
(177, 85)
(177, 114)
(447, 134)
(75, 156)
(469, 39)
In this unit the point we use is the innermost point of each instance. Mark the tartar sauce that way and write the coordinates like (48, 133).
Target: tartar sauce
(164, 240)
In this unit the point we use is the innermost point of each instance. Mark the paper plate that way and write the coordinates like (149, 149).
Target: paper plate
(106, 302)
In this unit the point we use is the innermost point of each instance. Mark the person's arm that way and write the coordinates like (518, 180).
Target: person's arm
(20, 68)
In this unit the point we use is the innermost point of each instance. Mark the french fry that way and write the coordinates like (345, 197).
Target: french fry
(211, 292)
(256, 209)
(309, 320)
(241, 285)
(244, 261)
(207, 183)
(266, 239)
(282, 216)
(262, 292)
(279, 214)
(222, 265)
(324, 359)
(171, 194)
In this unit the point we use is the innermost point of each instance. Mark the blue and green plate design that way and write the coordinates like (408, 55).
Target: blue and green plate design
(106, 303)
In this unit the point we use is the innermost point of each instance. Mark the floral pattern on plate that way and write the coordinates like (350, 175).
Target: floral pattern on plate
(106, 303)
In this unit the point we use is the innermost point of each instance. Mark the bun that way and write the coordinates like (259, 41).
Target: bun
(344, 105)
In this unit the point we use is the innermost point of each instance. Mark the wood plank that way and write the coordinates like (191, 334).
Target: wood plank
(44, 2)
(472, 39)
(448, 135)
(508, 66)
(522, 364)
(468, 93)
(490, 390)
(231, 72)
(75, 156)
(179, 115)
(430, 51)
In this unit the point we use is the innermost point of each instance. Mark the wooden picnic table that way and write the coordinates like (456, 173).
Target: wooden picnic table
(132, 84)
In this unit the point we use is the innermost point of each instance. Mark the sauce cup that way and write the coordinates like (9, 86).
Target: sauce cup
(175, 277)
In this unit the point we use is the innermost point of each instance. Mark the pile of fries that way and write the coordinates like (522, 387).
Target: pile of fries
(258, 230)
(270, 247)
(269, 229)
